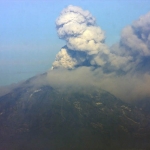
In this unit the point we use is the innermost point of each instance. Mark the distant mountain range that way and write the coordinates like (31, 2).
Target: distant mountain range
(49, 118)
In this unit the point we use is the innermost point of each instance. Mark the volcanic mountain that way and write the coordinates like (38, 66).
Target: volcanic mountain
(70, 119)
(67, 108)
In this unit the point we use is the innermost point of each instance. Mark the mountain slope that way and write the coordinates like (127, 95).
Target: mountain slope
(70, 118)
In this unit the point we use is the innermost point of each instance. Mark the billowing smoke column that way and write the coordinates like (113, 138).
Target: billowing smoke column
(84, 43)
(83, 39)
(123, 69)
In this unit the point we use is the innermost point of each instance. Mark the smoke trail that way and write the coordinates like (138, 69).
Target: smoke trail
(135, 43)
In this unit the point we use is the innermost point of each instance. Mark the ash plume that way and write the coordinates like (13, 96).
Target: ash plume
(85, 43)
(135, 43)
(85, 60)
(84, 40)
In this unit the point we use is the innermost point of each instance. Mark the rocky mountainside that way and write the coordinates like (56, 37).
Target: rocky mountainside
(70, 119)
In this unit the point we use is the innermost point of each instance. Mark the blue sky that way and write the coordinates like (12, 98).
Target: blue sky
(28, 38)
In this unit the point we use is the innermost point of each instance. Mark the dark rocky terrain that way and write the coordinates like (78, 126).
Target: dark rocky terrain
(88, 118)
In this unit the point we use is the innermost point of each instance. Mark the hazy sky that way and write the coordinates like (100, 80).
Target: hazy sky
(28, 37)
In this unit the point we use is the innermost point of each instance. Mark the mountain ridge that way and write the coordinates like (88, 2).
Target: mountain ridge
(69, 118)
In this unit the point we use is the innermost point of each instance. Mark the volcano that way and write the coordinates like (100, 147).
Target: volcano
(70, 118)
